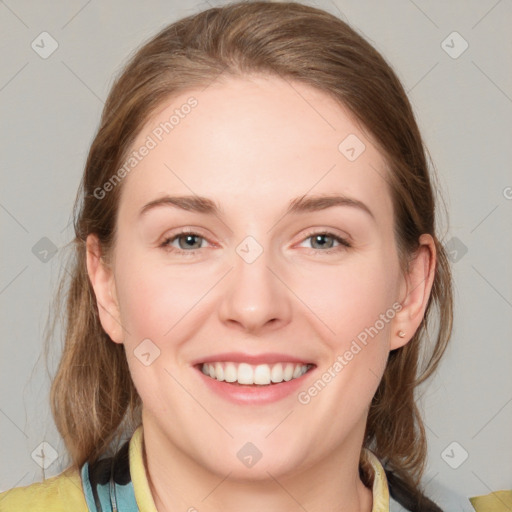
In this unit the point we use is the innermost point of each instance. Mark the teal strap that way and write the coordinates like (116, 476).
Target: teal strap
(112, 497)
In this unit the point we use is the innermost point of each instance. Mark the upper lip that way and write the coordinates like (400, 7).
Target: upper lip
(240, 357)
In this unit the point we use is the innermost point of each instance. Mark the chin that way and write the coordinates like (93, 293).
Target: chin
(246, 462)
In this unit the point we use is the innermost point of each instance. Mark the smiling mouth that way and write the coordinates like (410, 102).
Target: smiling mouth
(245, 374)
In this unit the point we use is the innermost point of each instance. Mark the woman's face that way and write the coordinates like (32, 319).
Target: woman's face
(264, 278)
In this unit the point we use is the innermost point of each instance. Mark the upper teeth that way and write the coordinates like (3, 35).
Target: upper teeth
(262, 374)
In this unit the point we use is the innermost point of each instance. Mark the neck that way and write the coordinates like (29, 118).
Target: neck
(177, 482)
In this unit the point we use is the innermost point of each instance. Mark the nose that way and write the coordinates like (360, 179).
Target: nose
(255, 298)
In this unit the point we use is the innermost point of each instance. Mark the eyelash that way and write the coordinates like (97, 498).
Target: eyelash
(344, 244)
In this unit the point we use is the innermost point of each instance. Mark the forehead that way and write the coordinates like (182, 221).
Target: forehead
(260, 138)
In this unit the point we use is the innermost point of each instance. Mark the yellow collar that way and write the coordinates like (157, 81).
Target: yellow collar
(377, 475)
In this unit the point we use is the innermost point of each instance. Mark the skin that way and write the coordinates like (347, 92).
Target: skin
(252, 145)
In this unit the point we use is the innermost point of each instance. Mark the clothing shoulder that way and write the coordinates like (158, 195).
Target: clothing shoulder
(60, 493)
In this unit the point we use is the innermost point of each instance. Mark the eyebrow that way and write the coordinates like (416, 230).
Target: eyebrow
(304, 204)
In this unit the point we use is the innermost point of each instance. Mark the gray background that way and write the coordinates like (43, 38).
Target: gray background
(50, 109)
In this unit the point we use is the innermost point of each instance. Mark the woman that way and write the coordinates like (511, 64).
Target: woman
(256, 262)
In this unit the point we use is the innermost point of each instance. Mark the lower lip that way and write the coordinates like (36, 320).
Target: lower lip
(254, 394)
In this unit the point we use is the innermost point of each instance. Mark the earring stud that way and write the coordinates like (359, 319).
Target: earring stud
(401, 334)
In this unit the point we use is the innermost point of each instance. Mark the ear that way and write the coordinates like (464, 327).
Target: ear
(102, 279)
(415, 291)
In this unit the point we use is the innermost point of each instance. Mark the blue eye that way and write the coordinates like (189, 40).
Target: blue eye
(327, 247)
(190, 242)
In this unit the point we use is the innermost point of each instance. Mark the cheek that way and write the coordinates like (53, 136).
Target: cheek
(349, 298)
(154, 297)
(142, 297)
(151, 304)
(142, 301)
(353, 308)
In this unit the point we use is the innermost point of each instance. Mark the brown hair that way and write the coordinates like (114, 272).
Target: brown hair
(92, 394)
